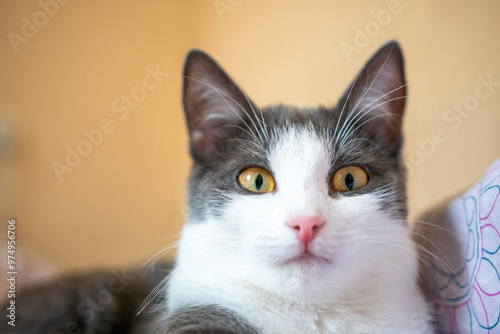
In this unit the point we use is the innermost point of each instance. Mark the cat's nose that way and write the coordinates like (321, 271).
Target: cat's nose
(306, 227)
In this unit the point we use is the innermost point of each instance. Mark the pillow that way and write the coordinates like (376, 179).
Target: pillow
(462, 279)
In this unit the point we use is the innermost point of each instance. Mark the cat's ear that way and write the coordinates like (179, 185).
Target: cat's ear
(214, 105)
(375, 101)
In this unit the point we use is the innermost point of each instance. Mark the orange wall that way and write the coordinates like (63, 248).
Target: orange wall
(124, 201)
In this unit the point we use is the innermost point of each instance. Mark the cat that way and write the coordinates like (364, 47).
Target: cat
(296, 219)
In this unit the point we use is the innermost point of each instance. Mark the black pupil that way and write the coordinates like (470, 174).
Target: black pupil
(259, 181)
(349, 181)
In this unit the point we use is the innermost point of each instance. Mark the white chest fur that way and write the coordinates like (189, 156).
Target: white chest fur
(364, 315)
(374, 311)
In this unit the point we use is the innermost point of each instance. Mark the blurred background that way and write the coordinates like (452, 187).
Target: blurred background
(93, 146)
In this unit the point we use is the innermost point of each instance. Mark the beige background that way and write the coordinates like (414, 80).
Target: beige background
(124, 201)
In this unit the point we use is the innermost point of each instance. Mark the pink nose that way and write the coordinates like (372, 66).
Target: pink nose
(306, 227)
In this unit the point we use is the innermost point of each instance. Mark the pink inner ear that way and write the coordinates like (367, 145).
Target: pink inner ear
(306, 227)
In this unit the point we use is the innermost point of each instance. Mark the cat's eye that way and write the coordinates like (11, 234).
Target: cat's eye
(349, 178)
(257, 180)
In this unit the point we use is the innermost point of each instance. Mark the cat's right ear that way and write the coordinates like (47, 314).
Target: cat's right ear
(215, 107)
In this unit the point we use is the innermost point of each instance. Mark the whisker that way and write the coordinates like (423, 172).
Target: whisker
(387, 240)
(242, 129)
(222, 94)
(350, 130)
(365, 91)
(345, 102)
(256, 117)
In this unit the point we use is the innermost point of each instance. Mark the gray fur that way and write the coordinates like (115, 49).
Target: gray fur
(100, 302)
(208, 319)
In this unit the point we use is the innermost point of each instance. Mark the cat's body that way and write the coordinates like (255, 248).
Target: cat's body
(97, 302)
(296, 218)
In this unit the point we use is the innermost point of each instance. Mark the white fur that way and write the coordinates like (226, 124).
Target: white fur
(366, 284)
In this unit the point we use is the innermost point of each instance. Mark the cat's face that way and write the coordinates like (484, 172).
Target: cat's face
(295, 199)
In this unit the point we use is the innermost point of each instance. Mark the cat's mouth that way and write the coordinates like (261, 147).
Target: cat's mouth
(307, 257)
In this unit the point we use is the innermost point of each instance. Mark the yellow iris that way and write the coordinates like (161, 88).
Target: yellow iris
(349, 178)
(257, 180)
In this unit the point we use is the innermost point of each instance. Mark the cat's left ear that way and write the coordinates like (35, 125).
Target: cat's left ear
(375, 101)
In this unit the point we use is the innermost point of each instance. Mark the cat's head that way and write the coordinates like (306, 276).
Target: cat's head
(291, 198)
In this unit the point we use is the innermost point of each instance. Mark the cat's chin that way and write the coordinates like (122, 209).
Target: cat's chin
(303, 273)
